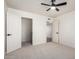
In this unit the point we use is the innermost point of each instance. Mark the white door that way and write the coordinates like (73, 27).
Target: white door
(55, 31)
(13, 32)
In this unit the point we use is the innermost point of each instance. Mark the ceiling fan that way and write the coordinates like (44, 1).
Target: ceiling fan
(53, 5)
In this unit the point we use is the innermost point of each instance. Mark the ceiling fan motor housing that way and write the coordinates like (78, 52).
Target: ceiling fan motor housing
(52, 0)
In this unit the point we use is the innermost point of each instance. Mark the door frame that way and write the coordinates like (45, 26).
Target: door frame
(5, 42)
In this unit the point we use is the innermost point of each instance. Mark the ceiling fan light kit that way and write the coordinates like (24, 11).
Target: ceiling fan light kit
(53, 5)
(53, 8)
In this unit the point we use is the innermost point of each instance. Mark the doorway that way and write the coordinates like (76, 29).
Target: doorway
(49, 32)
(26, 31)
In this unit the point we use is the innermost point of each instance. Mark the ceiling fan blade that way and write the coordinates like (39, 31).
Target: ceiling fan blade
(45, 4)
(57, 9)
(61, 4)
(48, 9)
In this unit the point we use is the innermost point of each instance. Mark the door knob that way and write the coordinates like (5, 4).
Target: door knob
(57, 32)
(9, 34)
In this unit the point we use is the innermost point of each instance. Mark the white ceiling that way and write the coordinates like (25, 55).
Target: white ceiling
(34, 6)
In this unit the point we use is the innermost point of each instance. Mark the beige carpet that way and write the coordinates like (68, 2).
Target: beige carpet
(43, 51)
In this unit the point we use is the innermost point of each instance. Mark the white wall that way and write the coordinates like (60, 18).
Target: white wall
(39, 25)
(67, 29)
(26, 29)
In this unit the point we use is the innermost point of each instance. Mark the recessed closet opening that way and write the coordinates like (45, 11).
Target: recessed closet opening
(49, 33)
(26, 31)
